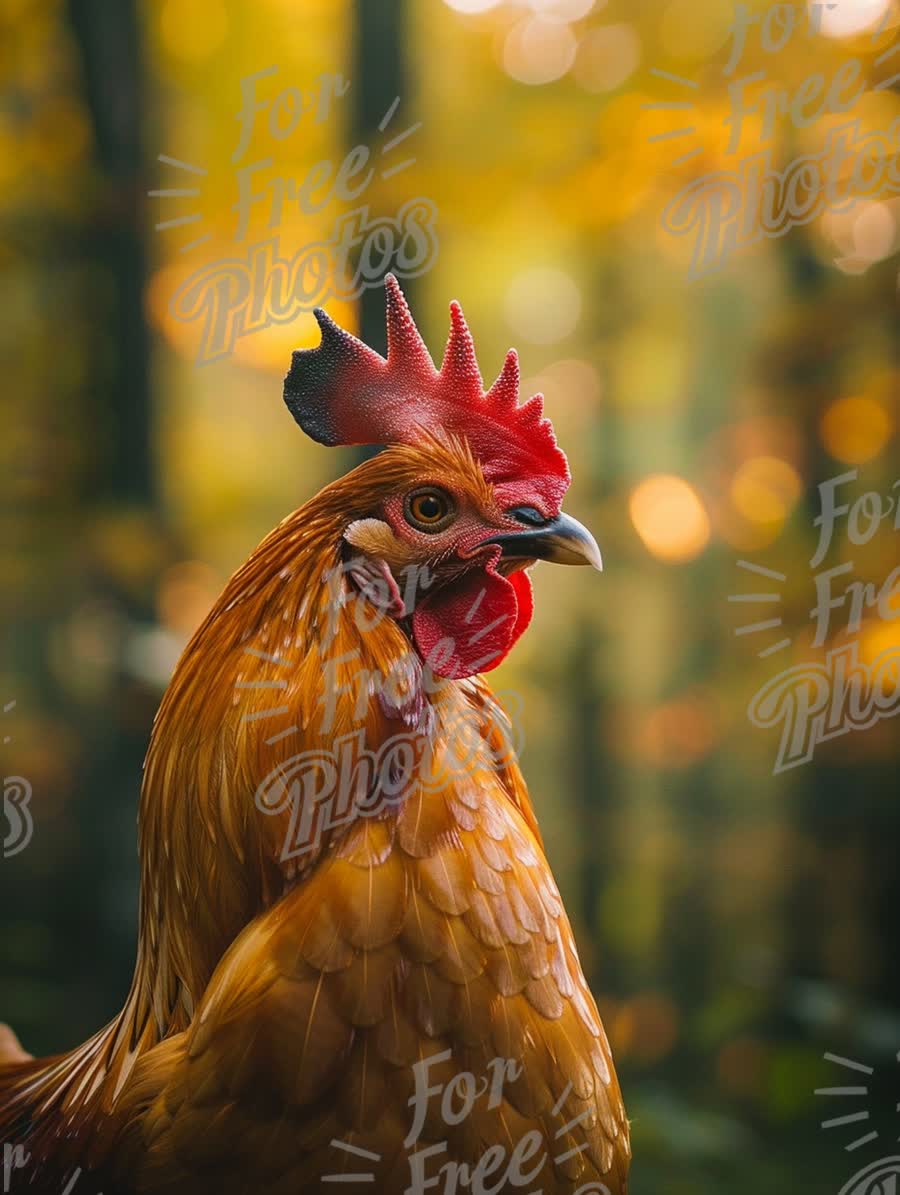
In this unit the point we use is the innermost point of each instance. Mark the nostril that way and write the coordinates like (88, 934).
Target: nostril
(529, 515)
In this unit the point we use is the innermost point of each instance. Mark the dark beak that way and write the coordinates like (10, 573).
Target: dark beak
(562, 540)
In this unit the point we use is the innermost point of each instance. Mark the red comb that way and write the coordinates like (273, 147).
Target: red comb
(343, 392)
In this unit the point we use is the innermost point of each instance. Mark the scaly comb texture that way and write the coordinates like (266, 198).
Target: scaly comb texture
(343, 392)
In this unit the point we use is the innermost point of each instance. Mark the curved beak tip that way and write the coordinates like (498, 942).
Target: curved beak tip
(594, 557)
(563, 540)
(569, 542)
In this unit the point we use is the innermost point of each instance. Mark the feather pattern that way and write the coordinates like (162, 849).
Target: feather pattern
(435, 960)
(283, 999)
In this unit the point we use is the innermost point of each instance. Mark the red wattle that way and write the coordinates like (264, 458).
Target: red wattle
(471, 626)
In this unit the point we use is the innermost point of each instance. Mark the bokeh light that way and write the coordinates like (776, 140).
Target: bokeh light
(699, 418)
(646, 1027)
(543, 305)
(864, 233)
(676, 733)
(538, 49)
(185, 596)
(874, 231)
(471, 6)
(843, 18)
(670, 518)
(855, 429)
(766, 489)
(880, 640)
(565, 10)
(607, 56)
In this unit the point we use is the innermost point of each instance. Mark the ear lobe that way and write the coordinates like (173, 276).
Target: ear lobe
(381, 559)
(377, 584)
(376, 538)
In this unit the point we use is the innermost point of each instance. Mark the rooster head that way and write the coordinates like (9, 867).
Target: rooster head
(440, 527)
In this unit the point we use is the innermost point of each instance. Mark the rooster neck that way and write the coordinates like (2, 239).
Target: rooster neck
(291, 662)
(287, 632)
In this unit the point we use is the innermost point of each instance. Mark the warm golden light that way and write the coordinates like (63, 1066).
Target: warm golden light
(646, 1027)
(269, 349)
(874, 231)
(843, 18)
(543, 305)
(855, 429)
(880, 638)
(677, 733)
(470, 6)
(765, 489)
(564, 10)
(607, 56)
(186, 594)
(695, 29)
(669, 517)
(538, 50)
(193, 31)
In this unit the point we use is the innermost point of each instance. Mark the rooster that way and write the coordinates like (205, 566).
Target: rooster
(353, 963)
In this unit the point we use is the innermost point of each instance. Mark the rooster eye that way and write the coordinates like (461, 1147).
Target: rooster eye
(429, 509)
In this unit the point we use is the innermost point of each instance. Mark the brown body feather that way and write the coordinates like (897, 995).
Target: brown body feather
(282, 1003)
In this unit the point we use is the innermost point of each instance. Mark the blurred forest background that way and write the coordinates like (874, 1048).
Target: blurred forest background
(736, 924)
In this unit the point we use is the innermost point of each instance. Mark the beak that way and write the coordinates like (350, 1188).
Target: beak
(562, 540)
